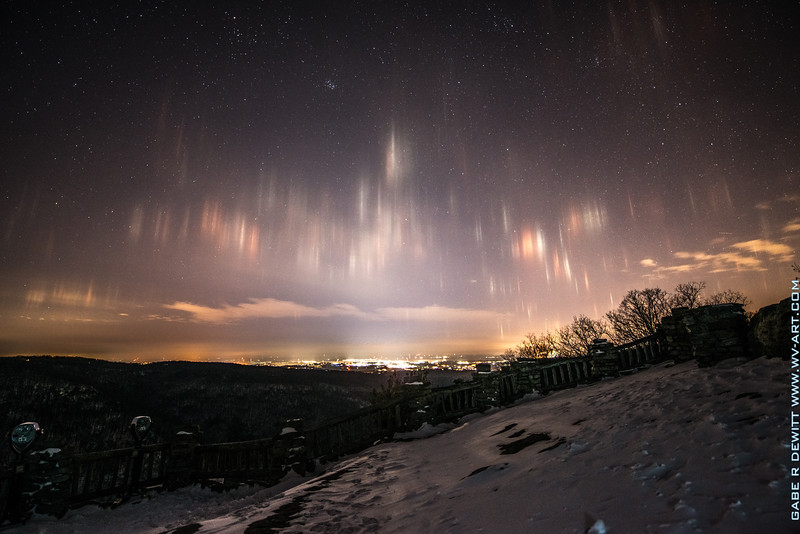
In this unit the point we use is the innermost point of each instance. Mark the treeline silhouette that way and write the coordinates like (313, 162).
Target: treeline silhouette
(638, 315)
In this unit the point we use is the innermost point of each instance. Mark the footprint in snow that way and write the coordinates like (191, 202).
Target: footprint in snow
(515, 446)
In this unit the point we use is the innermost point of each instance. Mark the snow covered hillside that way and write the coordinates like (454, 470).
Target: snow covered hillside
(672, 449)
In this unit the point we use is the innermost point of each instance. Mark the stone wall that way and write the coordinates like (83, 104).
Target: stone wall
(44, 479)
(677, 335)
(605, 358)
(529, 375)
(708, 334)
(770, 331)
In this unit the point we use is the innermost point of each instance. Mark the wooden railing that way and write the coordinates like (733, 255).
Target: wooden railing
(566, 373)
(644, 351)
(549, 374)
(354, 431)
(255, 459)
(605, 360)
(454, 400)
(117, 472)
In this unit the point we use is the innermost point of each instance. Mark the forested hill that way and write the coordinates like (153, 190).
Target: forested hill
(86, 404)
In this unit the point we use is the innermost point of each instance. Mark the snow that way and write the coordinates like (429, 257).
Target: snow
(672, 449)
(425, 431)
(49, 452)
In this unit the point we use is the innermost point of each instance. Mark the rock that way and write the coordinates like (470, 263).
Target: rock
(770, 331)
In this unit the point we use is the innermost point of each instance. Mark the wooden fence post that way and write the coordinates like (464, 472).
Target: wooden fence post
(181, 467)
(18, 508)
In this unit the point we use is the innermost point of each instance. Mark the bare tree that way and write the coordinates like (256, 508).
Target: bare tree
(729, 296)
(576, 338)
(639, 314)
(687, 295)
(536, 346)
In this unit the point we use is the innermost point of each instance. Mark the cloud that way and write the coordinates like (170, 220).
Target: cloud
(269, 308)
(744, 258)
(762, 246)
(770, 205)
(717, 262)
(791, 226)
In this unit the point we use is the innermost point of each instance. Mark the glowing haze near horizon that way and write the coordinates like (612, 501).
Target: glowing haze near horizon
(235, 180)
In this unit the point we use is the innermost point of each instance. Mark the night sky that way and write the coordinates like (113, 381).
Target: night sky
(296, 179)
